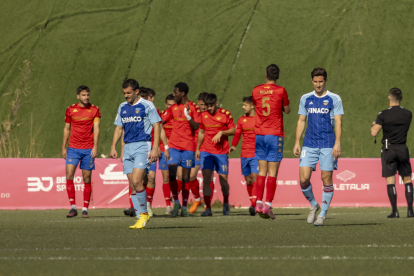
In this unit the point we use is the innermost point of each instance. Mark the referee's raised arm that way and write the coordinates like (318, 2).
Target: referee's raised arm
(395, 122)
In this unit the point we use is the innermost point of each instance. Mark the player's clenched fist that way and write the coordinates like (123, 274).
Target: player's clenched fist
(114, 154)
(296, 150)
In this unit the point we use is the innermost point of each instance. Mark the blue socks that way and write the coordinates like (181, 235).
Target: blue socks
(136, 204)
(307, 192)
(142, 200)
(327, 194)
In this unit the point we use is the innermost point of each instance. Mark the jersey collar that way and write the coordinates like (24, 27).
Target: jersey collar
(316, 95)
(136, 102)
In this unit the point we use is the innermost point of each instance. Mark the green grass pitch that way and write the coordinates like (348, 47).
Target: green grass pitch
(354, 241)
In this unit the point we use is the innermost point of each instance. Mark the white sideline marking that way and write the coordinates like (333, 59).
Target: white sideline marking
(337, 258)
(211, 247)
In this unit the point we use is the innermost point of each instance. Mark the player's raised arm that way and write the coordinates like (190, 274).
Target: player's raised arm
(66, 134)
(194, 125)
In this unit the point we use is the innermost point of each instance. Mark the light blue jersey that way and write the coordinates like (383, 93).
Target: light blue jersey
(320, 112)
(137, 120)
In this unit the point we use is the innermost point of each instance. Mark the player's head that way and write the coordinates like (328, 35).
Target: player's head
(201, 101)
(83, 94)
(395, 95)
(272, 72)
(319, 79)
(130, 88)
(180, 90)
(143, 93)
(169, 101)
(211, 103)
(151, 94)
(248, 105)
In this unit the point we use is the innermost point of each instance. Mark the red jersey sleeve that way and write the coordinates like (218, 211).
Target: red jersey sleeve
(167, 116)
(253, 99)
(285, 98)
(230, 121)
(67, 116)
(195, 113)
(238, 133)
(97, 115)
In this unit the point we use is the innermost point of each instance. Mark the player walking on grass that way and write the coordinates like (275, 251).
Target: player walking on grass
(323, 110)
(185, 117)
(162, 165)
(249, 162)
(82, 125)
(271, 101)
(212, 148)
(136, 117)
(194, 184)
(395, 122)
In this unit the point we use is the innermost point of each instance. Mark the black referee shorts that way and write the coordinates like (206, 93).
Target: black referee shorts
(396, 157)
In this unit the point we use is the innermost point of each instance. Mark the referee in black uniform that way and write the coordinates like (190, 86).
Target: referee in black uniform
(395, 122)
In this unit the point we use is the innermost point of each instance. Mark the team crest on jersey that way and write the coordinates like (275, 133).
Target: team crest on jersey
(89, 110)
(206, 116)
(325, 102)
(137, 110)
(75, 110)
(219, 118)
(244, 120)
(175, 108)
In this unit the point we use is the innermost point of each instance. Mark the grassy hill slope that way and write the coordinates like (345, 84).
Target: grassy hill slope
(49, 48)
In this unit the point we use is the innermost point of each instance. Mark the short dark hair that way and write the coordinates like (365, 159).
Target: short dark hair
(272, 72)
(170, 97)
(151, 92)
(248, 99)
(131, 83)
(396, 94)
(143, 92)
(319, 72)
(211, 98)
(182, 87)
(202, 96)
(81, 88)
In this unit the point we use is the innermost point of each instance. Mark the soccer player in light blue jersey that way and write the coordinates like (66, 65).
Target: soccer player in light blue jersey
(323, 110)
(136, 117)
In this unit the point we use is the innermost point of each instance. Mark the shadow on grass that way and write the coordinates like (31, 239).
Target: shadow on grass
(174, 227)
(355, 224)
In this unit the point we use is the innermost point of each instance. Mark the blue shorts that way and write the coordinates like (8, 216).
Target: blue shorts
(269, 148)
(153, 167)
(198, 162)
(249, 165)
(309, 157)
(182, 158)
(83, 155)
(162, 163)
(136, 156)
(214, 162)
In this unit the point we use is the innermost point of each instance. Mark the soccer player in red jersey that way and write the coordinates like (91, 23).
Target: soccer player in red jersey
(194, 184)
(82, 125)
(249, 162)
(271, 101)
(162, 165)
(212, 149)
(185, 117)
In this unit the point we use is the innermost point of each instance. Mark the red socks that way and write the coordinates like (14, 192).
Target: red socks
(270, 188)
(225, 199)
(185, 193)
(250, 189)
(70, 188)
(130, 200)
(150, 194)
(254, 194)
(174, 189)
(207, 201)
(167, 193)
(179, 185)
(212, 190)
(195, 188)
(87, 194)
(260, 185)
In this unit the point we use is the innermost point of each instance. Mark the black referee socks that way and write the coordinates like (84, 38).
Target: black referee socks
(392, 195)
(409, 195)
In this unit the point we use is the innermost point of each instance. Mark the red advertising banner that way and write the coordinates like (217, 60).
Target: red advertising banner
(41, 184)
